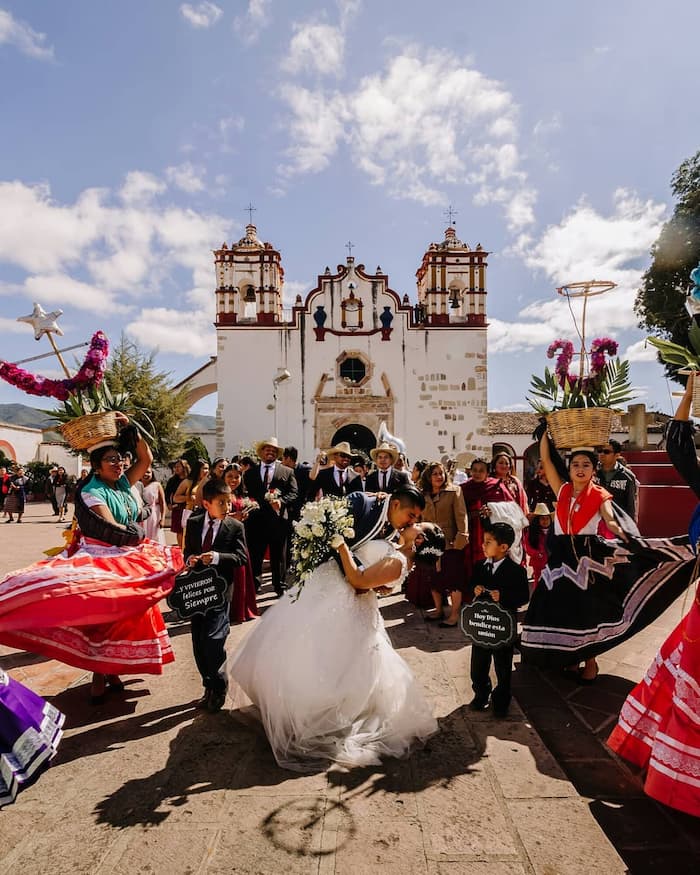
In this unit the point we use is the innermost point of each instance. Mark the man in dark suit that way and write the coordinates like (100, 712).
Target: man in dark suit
(213, 538)
(338, 479)
(301, 470)
(386, 478)
(268, 526)
(504, 581)
(382, 517)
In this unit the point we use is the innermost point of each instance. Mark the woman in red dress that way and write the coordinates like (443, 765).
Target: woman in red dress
(95, 605)
(659, 725)
(243, 602)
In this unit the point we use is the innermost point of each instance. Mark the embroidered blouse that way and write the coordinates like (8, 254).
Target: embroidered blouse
(118, 499)
(579, 514)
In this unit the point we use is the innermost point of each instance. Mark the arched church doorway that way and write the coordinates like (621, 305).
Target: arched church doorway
(359, 437)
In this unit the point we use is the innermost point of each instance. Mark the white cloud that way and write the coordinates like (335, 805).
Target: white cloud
(292, 288)
(59, 288)
(316, 48)
(585, 245)
(641, 351)
(12, 326)
(29, 41)
(109, 253)
(348, 10)
(256, 19)
(427, 121)
(140, 187)
(202, 14)
(316, 128)
(186, 177)
(161, 328)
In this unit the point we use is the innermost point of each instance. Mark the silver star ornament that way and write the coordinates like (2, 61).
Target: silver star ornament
(42, 322)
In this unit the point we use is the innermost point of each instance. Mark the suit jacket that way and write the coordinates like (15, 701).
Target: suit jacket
(229, 543)
(396, 480)
(510, 579)
(283, 480)
(326, 481)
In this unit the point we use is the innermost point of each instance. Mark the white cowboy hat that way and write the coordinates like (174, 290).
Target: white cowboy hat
(541, 509)
(268, 442)
(343, 447)
(385, 448)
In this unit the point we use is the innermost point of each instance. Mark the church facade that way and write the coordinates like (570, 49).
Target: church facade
(351, 354)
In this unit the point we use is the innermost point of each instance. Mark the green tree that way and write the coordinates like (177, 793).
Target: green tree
(661, 298)
(154, 403)
(195, 449)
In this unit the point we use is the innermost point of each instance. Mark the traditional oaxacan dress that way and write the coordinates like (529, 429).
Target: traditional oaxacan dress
(659, 725)
(95, 606)
(595, 593)
(30, 730)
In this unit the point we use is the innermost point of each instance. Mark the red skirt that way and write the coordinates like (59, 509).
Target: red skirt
(659, 725)
(244, 605)
(97, 609)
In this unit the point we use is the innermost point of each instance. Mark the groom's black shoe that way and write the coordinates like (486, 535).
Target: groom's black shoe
(479, 704)
(216, 700)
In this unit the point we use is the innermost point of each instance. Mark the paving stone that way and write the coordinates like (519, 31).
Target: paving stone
(481, 867)
(601, 777)
(464, 816)
(390, 847)
(266, 834)
(561, 838)
(72, 849)
(171, 848)
(523, 766)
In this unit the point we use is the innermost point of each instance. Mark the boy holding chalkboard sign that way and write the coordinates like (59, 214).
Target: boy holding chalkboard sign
(501, 579)
(214, 538)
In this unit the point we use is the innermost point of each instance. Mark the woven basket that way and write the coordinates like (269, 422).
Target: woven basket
(695, 406)
(580, 427)
(86, 431)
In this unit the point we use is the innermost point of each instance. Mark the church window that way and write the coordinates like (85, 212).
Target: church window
(353, 370)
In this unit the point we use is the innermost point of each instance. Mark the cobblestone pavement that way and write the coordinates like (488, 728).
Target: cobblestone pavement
(145, 783)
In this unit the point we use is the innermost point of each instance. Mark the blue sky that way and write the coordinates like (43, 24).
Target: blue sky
(134, 134)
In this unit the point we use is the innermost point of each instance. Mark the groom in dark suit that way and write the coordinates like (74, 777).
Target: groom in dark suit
(269, 526)
(213, 538)
(382, 517)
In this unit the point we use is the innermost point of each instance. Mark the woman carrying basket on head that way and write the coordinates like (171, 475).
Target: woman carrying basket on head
(594, 592)
(95, 605)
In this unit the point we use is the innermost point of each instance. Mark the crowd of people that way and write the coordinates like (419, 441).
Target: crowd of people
(564, 543)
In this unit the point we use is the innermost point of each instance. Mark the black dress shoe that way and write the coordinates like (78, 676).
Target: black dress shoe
(479, 704)
(204, 701)
(216, 700)
(500, 713)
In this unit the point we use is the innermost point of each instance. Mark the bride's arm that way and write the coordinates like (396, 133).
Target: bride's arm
(380, 574)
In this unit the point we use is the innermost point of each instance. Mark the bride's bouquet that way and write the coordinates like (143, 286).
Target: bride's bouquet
(320, 522)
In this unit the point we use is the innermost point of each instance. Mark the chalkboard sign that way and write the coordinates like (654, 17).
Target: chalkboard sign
(488, 624)
(197, 591)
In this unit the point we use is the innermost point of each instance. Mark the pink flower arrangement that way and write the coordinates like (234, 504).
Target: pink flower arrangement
(90, 373)
(605, 385)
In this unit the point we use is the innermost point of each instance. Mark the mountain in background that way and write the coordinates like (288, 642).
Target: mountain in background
(30, 417)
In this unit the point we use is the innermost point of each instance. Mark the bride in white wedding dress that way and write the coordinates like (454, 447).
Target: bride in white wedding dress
(329, 686)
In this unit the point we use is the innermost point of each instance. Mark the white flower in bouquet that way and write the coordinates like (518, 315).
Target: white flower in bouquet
(272, 495)
(311, 542)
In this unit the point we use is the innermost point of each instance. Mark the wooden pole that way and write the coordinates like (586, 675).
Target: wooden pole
(58, 354)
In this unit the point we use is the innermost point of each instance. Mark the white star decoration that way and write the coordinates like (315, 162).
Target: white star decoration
(42, 322)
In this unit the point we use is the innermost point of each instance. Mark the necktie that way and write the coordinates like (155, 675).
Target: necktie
(208, 538)
(341, 479)
(267, 475)
(384, 481)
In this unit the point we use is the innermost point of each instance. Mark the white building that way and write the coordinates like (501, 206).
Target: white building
(351, 354)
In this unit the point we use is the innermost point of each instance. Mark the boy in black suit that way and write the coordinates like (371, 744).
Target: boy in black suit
(214, 538)
(506, 582)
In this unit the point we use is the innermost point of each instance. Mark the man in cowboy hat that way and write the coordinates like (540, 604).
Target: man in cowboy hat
(386, 478)
(337, 479)
(269, 526)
